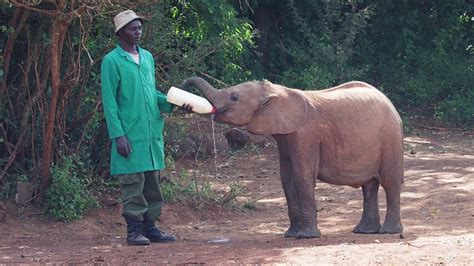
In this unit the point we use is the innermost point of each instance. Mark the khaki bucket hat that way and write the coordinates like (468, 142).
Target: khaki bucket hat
(123, 18)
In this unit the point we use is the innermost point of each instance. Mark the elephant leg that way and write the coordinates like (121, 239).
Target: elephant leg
(298, 171)
(392, 223)
(307, 207)
(304, 172)
(391, 179)
(293, 210)
(370, 221)
(291, 196)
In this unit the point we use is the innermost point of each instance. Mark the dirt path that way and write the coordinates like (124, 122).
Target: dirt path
(437, 209)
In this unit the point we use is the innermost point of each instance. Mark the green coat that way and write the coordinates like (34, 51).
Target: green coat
(132, 106)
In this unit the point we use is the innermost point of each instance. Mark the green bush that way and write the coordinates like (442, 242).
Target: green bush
(174, 133)
(7, 190)
(186, 189)
(458, 110)
(229, 198)
(67, 198)
(200, 193)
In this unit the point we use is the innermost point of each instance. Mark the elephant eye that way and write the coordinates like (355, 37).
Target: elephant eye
(234, 97)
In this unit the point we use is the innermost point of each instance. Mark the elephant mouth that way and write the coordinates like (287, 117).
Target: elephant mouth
(220, 112)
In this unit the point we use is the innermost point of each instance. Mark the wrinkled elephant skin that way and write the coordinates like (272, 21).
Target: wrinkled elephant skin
(347, 135)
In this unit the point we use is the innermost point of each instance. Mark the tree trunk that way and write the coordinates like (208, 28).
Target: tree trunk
(263, 19)
(17, 22)
(58, 31)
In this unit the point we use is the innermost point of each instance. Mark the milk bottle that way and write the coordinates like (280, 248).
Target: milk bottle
(200, 105)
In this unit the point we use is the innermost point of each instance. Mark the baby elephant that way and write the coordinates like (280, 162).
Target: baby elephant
(347, 135)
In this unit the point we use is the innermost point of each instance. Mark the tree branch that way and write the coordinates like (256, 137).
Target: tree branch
(18, 25)
(29, 7)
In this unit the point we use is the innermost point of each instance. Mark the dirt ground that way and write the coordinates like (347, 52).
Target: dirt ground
(437, 213)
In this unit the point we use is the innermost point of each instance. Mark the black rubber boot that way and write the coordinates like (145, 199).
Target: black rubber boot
(135, 236)
(155, 234)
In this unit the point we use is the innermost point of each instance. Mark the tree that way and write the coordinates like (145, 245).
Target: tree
(53, 49)
(58, 15)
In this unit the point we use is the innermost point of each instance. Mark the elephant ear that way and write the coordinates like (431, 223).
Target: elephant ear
(282, 111)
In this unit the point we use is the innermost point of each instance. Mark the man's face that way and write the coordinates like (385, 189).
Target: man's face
(132, 32)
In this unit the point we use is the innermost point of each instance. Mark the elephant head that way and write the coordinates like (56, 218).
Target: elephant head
(264, 107)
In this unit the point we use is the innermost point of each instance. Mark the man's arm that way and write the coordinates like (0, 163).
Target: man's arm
(110, 79)
(163, 104)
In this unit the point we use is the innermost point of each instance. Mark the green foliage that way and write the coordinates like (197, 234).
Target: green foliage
(195, 37)
(407, 127)
(419, 53)
(458, 109)
(200, 193)
(174, 133)
(23, 178)
(313, 46)
(186, 189)
(250, 205)
(236, 189)
(67, 198)
(8, 189)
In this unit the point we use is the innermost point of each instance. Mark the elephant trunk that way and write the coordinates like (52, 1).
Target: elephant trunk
(206, 89)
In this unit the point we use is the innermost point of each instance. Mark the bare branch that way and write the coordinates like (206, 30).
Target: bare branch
(30, 7)
(8, 145)
(18, 21)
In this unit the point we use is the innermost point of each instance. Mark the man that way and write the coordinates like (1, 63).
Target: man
(132, 107)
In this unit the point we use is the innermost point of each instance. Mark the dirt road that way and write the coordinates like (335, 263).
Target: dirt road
(437, 209)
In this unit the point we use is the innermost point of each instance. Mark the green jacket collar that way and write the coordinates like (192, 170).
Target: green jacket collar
(123, 52)
(126, 54)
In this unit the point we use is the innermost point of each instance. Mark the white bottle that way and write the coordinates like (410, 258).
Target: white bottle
(179, 97)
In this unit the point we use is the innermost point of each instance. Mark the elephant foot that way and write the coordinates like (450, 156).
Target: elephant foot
(308, 233)
(391, 228)
(367, 228)
(292, 231)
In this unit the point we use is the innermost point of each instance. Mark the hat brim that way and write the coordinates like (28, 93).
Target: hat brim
(125, 23)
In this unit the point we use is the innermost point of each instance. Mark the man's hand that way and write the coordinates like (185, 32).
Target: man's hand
(123, 146)
(186, 107)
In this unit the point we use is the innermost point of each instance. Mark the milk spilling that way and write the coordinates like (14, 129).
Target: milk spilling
(200, 105)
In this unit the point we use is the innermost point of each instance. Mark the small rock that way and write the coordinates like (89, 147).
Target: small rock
(402, 236)
(412, 152)
(165, 179)
(187, 148)
(239, 138)
(206, 144)
(221, 175)
(110, 202)
(24, 193)
(377, 241)
(219, 240)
